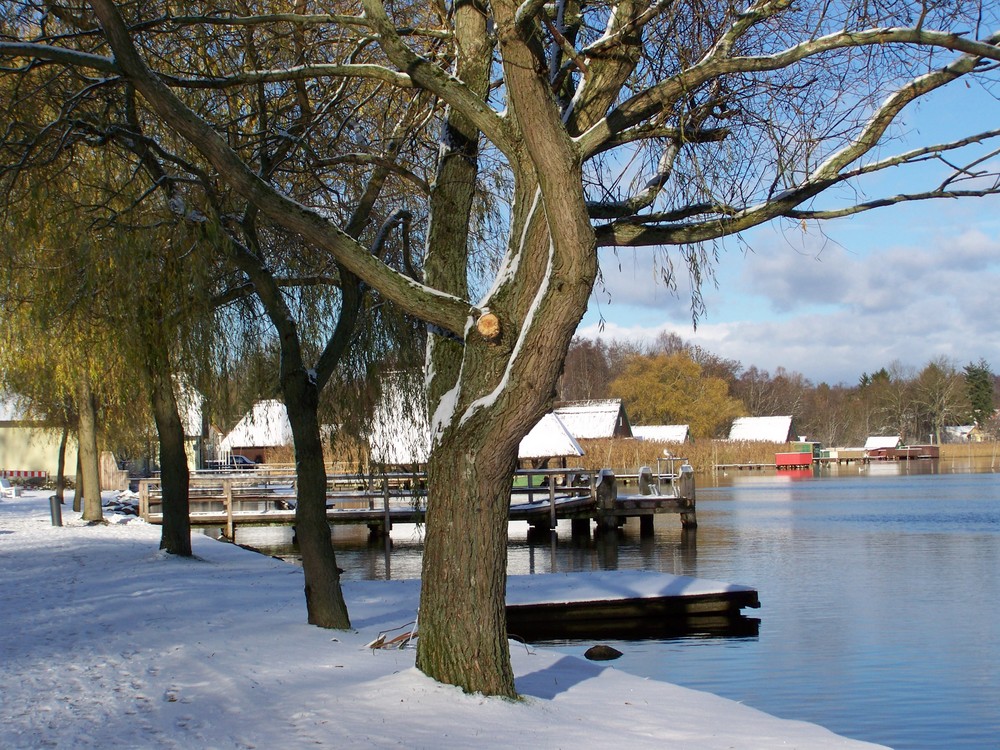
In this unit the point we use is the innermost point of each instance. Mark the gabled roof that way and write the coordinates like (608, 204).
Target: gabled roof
(762, 429)
(265, 425)
(10, 409)
(875, 442)
(663, 433)
(549, 439)
(959, 432)
(189, 407)
(595, 419)
(399, 431)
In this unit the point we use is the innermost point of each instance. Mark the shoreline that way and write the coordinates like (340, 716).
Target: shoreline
(111, 643)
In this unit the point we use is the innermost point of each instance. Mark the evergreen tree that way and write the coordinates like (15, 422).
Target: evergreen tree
(979, 382)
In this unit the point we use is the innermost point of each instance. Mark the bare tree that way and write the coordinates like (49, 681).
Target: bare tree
(644, 124)
(940, 397)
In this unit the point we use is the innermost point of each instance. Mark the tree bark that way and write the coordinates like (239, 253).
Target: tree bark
(462, 624)
(325, 605)
(89, 480)
(175, 534)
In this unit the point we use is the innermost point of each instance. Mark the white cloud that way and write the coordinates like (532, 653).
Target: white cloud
(831, 310)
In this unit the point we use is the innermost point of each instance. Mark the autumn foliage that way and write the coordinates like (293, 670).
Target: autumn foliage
(671, 389)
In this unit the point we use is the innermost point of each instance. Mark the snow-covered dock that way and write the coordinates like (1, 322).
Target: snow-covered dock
(539, 497)
(625, 604)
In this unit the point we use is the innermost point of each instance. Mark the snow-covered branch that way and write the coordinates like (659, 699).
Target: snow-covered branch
(644, 198)
(662, 95)
(434, 79)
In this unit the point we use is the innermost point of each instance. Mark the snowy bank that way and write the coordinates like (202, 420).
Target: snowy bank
(108, 643)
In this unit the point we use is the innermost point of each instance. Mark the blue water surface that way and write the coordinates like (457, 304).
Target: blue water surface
(880, 595)
(879, 589)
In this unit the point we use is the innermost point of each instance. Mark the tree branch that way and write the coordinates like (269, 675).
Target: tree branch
(659, 96)
(428, 304)
(431, 77)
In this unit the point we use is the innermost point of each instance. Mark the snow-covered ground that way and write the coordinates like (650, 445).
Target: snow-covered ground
(105, 642)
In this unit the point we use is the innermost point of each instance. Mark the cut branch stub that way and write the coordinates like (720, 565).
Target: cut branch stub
(488, 326)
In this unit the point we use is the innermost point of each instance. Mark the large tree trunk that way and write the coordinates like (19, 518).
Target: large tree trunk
(462, 628)
(325, 603)
(89, 480)
(175, 534)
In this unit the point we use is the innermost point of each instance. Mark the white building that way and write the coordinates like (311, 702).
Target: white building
(595, 419)
(762, 429)
(662, 433)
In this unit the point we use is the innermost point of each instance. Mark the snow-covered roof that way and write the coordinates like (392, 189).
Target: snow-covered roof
(399, 431)
(762, 429)
(959, 432)
(595, 419)
(875, 442)
(189, 405)
(549, 439)
(265, 425)
(664, 433)
(10, 410)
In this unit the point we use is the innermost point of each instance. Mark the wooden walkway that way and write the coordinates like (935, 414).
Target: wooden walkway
(539, 497)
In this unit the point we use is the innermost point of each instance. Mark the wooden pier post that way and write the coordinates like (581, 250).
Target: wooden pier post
(605, 495)
(686, 493)
(552, 503)
(647, 487)
(227, 491)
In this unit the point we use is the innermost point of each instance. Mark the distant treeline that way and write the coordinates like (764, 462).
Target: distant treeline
(674, 382)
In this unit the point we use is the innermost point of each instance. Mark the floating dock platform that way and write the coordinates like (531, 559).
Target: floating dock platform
(626, 605)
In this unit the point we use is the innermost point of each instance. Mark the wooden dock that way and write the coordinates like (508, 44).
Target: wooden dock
(540, 498)
(626, 604)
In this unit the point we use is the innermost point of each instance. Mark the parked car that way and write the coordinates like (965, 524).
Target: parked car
(235, 462)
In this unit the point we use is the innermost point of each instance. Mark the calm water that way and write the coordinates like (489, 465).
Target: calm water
(880, 594)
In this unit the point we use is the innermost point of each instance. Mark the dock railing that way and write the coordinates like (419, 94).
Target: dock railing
(539, 496)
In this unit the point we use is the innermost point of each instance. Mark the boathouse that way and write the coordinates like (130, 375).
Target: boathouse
(662, 433)
(762, 429)
(589, 420)
(882, 447)
(261, 430)
(399, 434)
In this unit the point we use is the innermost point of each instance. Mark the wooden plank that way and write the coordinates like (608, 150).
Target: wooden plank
(624, 604)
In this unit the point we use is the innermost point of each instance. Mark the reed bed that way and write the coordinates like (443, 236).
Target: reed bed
(627, 455)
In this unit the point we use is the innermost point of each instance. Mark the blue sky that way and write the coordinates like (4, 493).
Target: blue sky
(908, 283)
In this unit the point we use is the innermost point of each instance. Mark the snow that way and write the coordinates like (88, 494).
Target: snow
(573, 588)
(766, 429)
(109, 643)
(591, 419)
(664, 433)
(548, 438)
